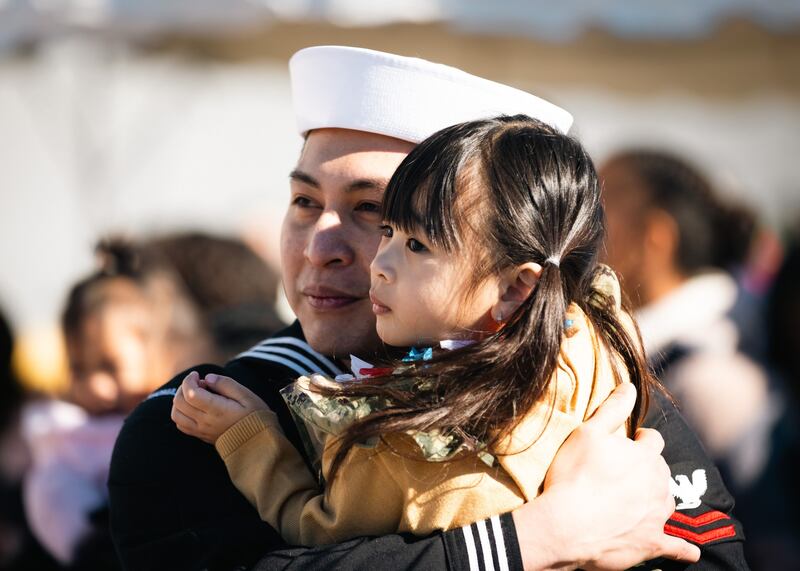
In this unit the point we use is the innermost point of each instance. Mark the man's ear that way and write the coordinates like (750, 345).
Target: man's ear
(516, 285)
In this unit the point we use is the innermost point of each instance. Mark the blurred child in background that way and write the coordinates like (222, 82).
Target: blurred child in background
(127, 326)
(148, 311)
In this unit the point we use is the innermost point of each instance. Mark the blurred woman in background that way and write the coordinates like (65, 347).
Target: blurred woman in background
(679, 249)
(232, 288)
(676, 244)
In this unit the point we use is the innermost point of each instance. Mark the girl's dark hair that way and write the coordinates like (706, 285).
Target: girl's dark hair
(538, 198)
(711, 233)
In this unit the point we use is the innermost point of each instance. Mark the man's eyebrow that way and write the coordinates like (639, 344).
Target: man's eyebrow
(357, 184)
(368, 184)
(305, 178)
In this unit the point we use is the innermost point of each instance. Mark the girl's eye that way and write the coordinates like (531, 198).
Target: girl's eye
(416, 245)
(386, 230)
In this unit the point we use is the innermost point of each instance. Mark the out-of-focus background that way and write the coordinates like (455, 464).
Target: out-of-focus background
(170, 123)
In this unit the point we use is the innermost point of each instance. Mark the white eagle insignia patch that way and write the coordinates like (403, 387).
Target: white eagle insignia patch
(688, 492)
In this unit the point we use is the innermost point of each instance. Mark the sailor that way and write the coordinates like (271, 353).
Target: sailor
(172, 503)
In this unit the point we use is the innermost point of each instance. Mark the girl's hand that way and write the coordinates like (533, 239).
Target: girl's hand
(206, 408)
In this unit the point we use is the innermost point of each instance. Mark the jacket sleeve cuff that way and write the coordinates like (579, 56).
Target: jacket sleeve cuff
(244, 430)
(488, 544)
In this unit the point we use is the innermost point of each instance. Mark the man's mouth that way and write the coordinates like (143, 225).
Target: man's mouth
(323, 298)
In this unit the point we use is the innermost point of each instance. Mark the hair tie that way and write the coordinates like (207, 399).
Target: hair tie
(555, 260)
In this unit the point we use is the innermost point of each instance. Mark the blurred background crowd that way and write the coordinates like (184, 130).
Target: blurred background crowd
(145, 148)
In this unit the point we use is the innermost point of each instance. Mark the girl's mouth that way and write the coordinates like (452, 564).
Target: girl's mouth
(377, 307)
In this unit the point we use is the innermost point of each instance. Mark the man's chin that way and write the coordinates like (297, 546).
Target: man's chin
(340, 335)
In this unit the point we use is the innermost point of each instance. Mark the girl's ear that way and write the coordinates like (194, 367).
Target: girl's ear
(516, 285)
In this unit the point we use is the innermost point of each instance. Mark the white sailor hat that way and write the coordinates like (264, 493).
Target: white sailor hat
(402, 97)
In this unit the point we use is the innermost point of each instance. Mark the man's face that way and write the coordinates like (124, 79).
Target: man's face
(331, 233)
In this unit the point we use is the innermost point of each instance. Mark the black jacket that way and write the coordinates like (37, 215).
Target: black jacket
(173, 505)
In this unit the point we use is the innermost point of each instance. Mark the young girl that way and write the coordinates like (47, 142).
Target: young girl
(489, 255)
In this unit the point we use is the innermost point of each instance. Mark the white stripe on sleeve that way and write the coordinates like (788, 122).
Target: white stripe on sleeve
(486, 545)
(472, 553)
(500, 543)
(162, 393)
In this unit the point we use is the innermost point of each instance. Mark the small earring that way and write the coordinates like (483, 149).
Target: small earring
(499, 318)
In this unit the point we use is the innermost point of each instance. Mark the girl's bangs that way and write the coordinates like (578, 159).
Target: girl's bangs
(420, 198)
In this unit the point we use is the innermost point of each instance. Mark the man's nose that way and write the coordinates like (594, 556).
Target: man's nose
(330, 243)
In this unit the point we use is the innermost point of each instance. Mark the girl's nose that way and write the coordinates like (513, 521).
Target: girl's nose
(381, 267)
(331, 242)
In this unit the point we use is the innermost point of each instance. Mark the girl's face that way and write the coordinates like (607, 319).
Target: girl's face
(110, 359)
(422, 294)
(118, 354)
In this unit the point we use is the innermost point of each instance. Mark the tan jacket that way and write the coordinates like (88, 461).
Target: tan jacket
(378, 491)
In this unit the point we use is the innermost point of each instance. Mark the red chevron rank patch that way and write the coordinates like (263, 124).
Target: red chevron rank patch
(702, 520)
(701, 538)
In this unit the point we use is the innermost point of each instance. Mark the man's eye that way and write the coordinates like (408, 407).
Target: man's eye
(302, 202)
(416, 245)
(369, 207)
(386, 230)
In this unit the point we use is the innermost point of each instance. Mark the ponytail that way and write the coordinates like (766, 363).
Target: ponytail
(620, 336)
